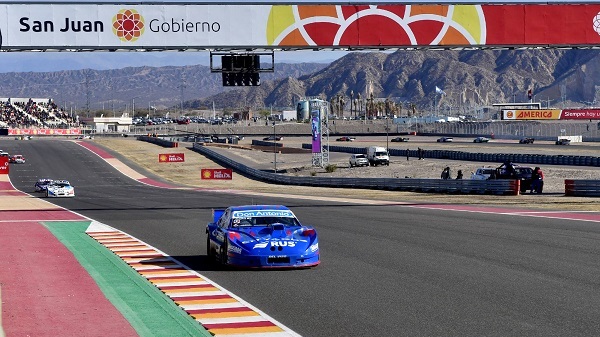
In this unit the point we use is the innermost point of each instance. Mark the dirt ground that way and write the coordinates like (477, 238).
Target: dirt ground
(188, 173)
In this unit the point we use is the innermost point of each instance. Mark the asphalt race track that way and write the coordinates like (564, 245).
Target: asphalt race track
(391, 270)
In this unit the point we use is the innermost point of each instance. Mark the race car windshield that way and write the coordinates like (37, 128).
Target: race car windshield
(265, 221)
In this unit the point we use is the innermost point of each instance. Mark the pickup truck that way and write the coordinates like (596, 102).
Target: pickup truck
(483, 173)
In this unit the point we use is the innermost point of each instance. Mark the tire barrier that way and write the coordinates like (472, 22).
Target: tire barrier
(266, 143)
(464, 186)
(533, 159)
(582, 188)
(158, 141)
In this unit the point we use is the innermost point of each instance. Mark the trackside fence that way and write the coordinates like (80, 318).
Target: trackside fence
(582, 188)
(466, 186)
(158, 141)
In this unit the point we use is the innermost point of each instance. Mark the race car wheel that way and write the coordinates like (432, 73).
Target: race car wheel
(223, 253)
(209, 251)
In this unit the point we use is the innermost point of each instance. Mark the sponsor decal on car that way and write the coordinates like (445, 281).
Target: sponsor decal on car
(234, 249)
(290, 244)
(314, 247)
(260, 245)
(261, 213)
(171, 158)
(218, 235)
(216, 174)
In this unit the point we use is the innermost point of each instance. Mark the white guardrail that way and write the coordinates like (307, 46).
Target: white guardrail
(466, 186)
(582, 188)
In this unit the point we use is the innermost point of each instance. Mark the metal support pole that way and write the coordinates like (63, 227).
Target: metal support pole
(274, 148)
(387, 134)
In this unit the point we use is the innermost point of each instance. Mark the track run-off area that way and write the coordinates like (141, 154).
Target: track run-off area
(127, 256)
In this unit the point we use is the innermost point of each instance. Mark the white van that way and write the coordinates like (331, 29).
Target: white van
(378, 155)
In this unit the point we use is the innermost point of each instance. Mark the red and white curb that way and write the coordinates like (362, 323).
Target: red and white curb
(216, 309)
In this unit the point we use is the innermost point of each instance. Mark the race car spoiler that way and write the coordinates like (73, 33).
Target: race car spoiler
(217, 214)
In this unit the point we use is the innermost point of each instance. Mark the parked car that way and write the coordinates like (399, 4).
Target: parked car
(234, 139)
(481, 140)
(358, 159)
(445, 140)
(400, 139)
(512, 171)
(526, 140)
(273, 138)
(345, 139)
(563, 141)
(483, 173)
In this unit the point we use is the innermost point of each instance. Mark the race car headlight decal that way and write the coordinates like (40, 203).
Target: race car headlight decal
(314, 248)
(309, 232)
(234, 236)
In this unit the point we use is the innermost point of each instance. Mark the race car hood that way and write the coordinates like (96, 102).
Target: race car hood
(275, 238)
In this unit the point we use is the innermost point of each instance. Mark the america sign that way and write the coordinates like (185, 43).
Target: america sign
(550, 114)
(204, 26)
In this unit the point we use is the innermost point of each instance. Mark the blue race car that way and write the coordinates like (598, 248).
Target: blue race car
(42, 184)
(261, 236)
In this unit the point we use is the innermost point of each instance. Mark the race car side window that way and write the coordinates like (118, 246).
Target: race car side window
(224, 220)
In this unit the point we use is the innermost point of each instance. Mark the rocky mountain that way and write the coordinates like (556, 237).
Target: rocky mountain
(468, 78)
(143, 87)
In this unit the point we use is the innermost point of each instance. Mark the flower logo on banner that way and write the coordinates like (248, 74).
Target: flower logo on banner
(596, 23)
(376, 25)
(128, 25)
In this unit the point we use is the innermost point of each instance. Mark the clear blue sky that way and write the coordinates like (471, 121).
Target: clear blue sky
(56, 61)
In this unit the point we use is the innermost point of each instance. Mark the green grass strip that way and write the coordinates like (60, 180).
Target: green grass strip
(148, 310)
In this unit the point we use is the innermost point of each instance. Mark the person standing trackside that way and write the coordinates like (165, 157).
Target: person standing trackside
(446, 173)
(407, 154)
(537, 181)
(459, 174)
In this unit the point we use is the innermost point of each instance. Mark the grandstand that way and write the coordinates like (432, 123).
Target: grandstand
(34, 113)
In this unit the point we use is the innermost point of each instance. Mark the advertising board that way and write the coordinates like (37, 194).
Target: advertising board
(171, 157)
(205, 26)
(46, 132)
(4, 167)
(216, 174)
(550, 114)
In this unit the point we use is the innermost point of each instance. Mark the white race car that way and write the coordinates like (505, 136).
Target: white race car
(60, 189)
